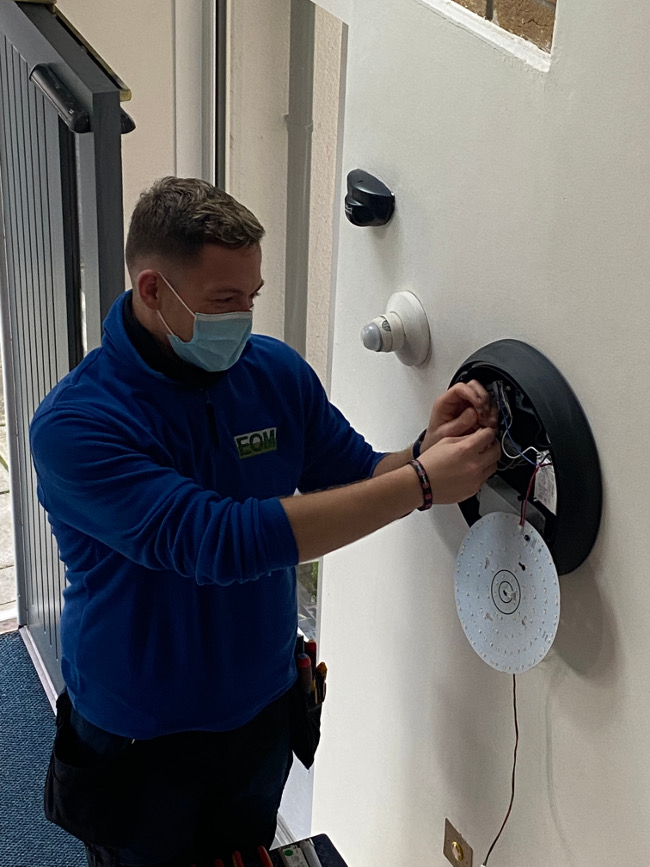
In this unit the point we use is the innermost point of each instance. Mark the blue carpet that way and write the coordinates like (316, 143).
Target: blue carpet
(27, 729)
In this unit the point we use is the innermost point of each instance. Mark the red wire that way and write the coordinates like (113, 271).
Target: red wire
(525, 503)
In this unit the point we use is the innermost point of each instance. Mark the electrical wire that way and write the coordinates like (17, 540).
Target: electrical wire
(518, 456)
(541, 462)
(524, 505)
(505, 451)
(541, 458)
(508, 422)
(514, 769)
(502, 402)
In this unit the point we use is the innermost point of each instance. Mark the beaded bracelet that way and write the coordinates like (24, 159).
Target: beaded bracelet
(417, 445)
(425, 484)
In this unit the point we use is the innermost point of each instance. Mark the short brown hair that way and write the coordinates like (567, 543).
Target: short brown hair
(178, 216)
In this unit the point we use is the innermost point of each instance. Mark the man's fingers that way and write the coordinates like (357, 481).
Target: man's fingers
(461, 465)
(472, 392)
(485, 406)
(491, 457)
(493, 449)
(481, 398)
(483, 444)
(478, 440)
(465, 423)
(487, 472)
(482, 439)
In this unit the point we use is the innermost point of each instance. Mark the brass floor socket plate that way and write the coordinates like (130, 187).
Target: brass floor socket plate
(456, 848)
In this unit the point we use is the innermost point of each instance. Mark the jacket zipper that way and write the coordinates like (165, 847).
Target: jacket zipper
(212, 421)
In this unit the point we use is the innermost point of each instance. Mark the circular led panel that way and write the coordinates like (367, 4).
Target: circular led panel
(507, 593)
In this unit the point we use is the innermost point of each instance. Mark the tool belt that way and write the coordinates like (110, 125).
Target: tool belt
(306, 707)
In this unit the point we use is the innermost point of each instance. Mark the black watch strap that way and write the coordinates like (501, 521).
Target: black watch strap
(417, 445)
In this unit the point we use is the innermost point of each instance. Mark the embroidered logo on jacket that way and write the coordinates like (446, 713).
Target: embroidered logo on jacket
(257, 443)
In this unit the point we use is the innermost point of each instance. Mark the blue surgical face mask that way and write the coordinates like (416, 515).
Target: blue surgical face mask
(218, 339)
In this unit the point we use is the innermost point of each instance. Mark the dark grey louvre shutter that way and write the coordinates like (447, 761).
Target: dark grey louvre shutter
(62, 258)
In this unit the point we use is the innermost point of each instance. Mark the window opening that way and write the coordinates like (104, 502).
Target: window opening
(307, 575)
(533, 20)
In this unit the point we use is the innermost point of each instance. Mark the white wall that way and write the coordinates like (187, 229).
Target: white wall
(522, 211)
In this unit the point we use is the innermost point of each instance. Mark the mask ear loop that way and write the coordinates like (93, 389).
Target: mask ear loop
(160, 316)
(193, 315)
(177, 295)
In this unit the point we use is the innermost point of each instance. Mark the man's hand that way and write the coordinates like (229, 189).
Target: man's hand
(464, 408)
(327, 520)
(458, 466)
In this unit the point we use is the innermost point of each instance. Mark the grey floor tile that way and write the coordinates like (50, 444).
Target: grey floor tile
(8, 625)
(6, 532)
(7, 587)
(4, 447)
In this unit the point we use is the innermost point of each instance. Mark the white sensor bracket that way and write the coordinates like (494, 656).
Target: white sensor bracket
(402, 329)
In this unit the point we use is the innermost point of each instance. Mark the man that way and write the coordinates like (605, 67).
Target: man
(167, 462)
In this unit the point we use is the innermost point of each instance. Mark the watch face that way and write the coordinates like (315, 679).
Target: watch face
(507, 593)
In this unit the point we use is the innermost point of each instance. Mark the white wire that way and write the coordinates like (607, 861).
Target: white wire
(540, 457)
(520, 455)
(503, 447)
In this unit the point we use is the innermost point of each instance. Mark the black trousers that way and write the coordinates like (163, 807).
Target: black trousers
(202, 795)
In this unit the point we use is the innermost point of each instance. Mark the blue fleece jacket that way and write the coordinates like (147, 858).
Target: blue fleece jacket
(180, 606)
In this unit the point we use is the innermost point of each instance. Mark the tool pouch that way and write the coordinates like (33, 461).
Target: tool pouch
(305, 721)
(93, 800)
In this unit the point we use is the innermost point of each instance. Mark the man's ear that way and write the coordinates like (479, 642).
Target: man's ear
(148, 286)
